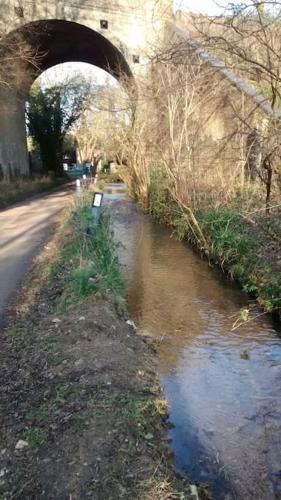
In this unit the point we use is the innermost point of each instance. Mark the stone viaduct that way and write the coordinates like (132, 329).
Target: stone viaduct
(115, 35)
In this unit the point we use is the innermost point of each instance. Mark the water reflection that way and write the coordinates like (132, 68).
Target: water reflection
(223, 387)
(114, 189)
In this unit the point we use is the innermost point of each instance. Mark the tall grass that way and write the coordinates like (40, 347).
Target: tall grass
(11, 192)
(228, 242)
(89, 256)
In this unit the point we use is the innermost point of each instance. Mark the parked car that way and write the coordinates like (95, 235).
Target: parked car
(78, 170)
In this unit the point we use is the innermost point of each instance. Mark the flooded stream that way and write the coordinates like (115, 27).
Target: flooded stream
(223, 386)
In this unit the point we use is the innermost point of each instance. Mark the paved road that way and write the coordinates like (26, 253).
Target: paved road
(24, 228)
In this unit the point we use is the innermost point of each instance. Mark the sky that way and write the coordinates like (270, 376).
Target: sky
(203, 6)
(58, 74)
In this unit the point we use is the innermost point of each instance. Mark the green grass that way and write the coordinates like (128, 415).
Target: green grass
(228, 242)
(55, 357)
(47, 413)
(44, 416)
(90, 255)
(232, 246)
(82, 418)
(139, 411)
(35, 437)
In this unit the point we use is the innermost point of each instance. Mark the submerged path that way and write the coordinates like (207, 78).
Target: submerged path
(24, 228)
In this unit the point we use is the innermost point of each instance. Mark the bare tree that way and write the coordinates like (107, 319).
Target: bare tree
(105, 124)
(247, 39)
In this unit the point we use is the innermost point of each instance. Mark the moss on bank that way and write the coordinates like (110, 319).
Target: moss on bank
(229, 241)
(82, 412)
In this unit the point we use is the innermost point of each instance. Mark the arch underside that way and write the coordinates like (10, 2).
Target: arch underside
(60, 41)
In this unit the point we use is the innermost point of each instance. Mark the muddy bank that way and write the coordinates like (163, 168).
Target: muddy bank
(81, 409)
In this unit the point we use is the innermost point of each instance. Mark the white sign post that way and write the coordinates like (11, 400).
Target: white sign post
(78, 187)
(96, 206)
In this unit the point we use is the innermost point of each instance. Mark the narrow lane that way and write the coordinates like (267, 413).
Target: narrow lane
(24, 228)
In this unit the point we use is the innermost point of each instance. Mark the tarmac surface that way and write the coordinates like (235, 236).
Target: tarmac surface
(24, 229)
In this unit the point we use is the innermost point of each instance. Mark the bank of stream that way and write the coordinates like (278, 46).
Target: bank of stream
(223, 386)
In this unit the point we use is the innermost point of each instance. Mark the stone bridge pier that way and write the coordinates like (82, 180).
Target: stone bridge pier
(13, 146)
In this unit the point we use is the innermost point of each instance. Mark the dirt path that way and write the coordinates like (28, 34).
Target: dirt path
(24, 229)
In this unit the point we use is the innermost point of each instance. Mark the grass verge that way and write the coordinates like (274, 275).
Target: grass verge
(240, 248)
(15, 191)
(88, 260)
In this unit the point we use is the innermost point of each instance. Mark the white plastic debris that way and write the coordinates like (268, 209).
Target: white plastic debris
(131, 323)
(56, 320)
(21, 444)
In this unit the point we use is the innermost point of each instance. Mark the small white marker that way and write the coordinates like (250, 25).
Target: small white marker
(194, 492)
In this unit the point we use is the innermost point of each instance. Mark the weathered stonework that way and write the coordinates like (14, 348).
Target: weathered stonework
(116, 35)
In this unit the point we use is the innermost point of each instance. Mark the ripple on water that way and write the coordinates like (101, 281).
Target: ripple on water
(223, 386)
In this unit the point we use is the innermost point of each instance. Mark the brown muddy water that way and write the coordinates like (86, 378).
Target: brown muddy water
(223, 387)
